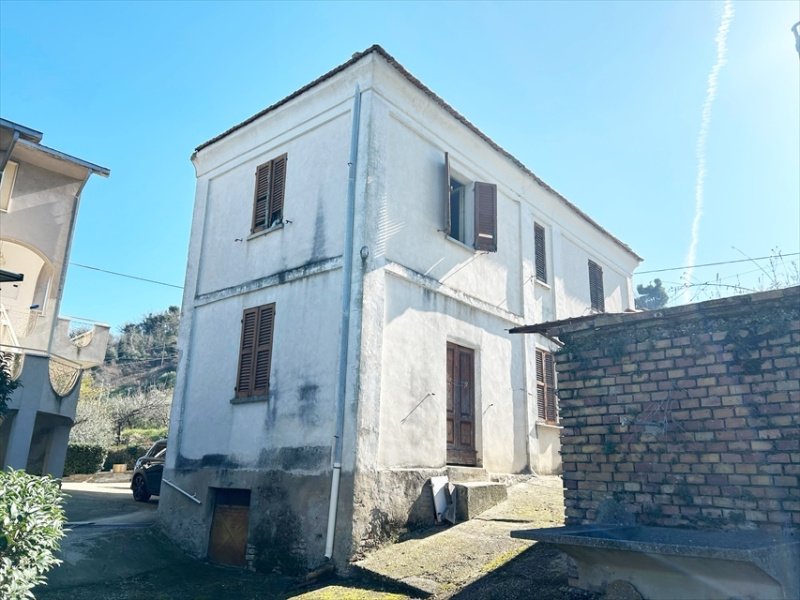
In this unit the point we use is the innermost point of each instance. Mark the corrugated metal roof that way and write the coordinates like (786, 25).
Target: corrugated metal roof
(377, 49)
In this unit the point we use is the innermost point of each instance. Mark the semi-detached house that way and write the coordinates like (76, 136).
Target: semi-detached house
(359, 251)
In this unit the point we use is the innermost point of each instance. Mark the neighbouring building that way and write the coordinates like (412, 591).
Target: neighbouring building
(438, 241)
(39, 193)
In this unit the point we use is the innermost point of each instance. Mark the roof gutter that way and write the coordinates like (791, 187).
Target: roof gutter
(91, 167)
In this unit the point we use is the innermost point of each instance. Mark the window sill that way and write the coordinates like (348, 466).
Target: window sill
(548, 425)
(458, 242)
(543, 284)
(249, 399)
(261, 232)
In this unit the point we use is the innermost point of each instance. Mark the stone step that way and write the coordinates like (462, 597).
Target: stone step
(474, 497)
(455, 474)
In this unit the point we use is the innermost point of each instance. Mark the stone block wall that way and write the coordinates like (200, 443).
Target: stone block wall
(687, 416)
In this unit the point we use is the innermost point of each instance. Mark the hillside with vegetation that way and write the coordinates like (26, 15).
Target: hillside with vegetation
(124, 404)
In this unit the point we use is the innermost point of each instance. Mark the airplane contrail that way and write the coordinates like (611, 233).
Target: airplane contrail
(700, 148)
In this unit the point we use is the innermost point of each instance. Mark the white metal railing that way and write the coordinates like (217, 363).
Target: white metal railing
(184, 492)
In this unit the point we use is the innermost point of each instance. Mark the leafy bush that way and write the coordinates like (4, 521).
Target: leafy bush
(124, 454)
(32, 523)
(7, 385)
(84, 459)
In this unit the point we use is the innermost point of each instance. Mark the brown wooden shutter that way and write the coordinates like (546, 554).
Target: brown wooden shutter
(263, 349)
(485, 216)
(540, 252)
(541, 403)
(263, 176)
(244, 380)
(446, 194)
(546, 387)
(596, 293)
(450, 393)
(550, 382)
(277, 190)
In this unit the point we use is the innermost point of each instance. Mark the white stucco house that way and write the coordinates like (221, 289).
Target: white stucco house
(358, 253)
(40, 189)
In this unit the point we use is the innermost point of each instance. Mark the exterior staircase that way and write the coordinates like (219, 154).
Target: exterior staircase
(474, 491)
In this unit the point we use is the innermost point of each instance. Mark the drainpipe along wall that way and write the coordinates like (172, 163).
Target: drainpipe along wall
(347, 282)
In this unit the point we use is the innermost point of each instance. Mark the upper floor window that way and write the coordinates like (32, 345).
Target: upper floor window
(270, 185)
(546, 387)
(541, 252)
(596, 293)
(7, 177)
(255, 351)
(470, 211)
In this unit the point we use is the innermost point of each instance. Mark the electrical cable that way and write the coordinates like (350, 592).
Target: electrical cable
(180, 287)
(725, 262)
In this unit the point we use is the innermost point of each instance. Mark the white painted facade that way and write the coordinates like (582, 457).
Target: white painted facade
(414, 289)
(39, 195)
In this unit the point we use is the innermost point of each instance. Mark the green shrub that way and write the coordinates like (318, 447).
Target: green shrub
(124, 454)
(83, 459)
(32, 523)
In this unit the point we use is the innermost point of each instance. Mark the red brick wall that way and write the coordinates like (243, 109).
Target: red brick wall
(688, 416)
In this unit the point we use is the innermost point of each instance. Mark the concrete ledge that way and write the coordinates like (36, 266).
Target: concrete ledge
(673, 563)
(474, 497)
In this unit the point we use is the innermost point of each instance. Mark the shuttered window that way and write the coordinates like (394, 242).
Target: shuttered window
(546, 387)
(541, 253)
(270, 185)
(596, 293)
(485, 216)
(469, 210)
(255, 352)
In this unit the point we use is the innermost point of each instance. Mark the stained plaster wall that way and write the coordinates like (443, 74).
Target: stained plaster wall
(279, 447)
(451, 292)
(423, 289)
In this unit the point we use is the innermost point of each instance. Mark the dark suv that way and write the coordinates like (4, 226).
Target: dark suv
(146, 480)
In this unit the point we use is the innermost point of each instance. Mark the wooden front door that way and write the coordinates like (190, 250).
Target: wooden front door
(460, 406)
(228, 541)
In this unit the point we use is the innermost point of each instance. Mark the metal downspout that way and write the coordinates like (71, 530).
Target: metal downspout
(344, 338)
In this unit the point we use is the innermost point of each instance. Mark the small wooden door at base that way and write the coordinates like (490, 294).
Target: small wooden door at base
(227, 544)
(460, 406)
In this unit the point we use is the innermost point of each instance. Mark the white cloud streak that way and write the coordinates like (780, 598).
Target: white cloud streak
(700, 148)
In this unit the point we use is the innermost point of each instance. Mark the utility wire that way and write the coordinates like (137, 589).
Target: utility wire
(714, 264)
(180, 287)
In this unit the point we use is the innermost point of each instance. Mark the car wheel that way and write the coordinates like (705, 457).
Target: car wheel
(140, 491)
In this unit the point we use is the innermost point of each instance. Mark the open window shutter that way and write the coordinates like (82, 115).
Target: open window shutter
(263, 348)
(539, 249)
(485, 216)
(446, 194)
(550, 382)
(277, 189)
(262, 196)
(244, 382)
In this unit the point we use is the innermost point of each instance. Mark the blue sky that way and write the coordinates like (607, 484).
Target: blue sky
(601, 100)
